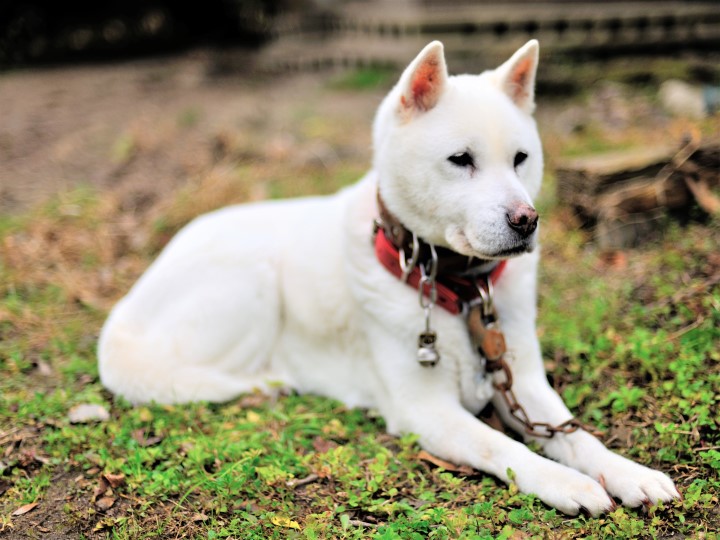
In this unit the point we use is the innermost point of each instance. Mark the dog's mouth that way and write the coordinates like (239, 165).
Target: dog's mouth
(524, 247)
(460, 243)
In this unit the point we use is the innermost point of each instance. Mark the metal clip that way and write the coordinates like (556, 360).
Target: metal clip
(486, 297)
(407, 266)
(427, 353)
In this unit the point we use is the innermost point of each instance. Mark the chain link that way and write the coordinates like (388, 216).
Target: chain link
(517, 411)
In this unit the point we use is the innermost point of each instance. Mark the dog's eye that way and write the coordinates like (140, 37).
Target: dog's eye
(520, 158)
(462, 159)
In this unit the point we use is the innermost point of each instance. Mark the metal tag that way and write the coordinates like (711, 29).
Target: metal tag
(427, 354)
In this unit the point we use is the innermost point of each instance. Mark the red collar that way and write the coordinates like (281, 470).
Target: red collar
(453, 290)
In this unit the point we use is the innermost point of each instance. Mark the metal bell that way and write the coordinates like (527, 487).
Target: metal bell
(427, 354)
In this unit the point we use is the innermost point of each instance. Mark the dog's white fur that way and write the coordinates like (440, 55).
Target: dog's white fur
(290, 292)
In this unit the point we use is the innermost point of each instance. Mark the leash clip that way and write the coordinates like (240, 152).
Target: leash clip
(427, 353)
(408, 266)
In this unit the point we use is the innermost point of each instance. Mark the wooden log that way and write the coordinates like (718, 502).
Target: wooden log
(580, 180)
(628, 195)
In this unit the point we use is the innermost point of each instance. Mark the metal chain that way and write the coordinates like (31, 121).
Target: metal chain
(517, 411)
(488, 317)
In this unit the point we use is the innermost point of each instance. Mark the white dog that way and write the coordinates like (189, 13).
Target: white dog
(298, 293)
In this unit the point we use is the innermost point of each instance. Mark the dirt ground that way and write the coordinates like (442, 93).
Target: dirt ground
(144, 127)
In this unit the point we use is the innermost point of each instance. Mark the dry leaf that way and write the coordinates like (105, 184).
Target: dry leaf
(115, 480)
(101, 488)
(323, 445)
(143, 440)
(87, 412)
(24, 509)
(199, 517)
(282, 521)
(425, 456)
(105, 503)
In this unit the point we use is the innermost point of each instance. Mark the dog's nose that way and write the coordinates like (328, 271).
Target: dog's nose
(523, 219)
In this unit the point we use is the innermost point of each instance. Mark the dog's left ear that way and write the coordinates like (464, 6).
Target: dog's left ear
(517, 76)
(424, 80)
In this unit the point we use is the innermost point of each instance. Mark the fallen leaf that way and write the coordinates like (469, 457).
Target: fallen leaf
(115, 480)
(101, 488)
(425, 456)
(25, 509)
(323, 445)
(143, 440)
(107, 523)
(88, 412)
(105, 503)
(282, 521)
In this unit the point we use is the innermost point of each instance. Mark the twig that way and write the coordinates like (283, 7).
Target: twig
(688, 149)
(686, 329)
(295, 483)
(360, 523)
(687, 293)
(705, 198)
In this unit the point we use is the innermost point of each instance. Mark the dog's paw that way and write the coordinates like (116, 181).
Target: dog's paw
(636, 485)
(567, 490)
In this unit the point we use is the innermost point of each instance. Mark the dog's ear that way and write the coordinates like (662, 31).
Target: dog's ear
(424, 80)
(517, 76)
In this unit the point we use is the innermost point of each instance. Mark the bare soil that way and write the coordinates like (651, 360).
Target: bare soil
(144, 127)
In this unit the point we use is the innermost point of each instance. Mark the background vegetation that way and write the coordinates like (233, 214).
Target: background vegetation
(630, 340)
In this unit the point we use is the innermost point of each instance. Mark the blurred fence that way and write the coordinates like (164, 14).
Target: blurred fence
(312, 34)
(390, 32)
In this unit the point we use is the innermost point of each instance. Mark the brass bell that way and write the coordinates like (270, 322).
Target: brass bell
(427, 354)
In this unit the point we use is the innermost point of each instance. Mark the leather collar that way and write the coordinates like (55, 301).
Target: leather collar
(458, 276)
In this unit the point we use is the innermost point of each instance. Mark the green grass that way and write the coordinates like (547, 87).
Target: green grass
(633, 350)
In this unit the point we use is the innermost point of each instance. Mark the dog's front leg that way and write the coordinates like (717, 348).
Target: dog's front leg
(425, 401)
(632, 483)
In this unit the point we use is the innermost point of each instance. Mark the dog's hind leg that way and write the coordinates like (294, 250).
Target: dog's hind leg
(193, 333)
(140, 372)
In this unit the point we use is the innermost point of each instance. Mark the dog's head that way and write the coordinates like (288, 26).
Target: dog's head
(459, 158)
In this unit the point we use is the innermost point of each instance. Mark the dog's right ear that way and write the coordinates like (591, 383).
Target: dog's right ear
(516, 77)
(423, 81)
